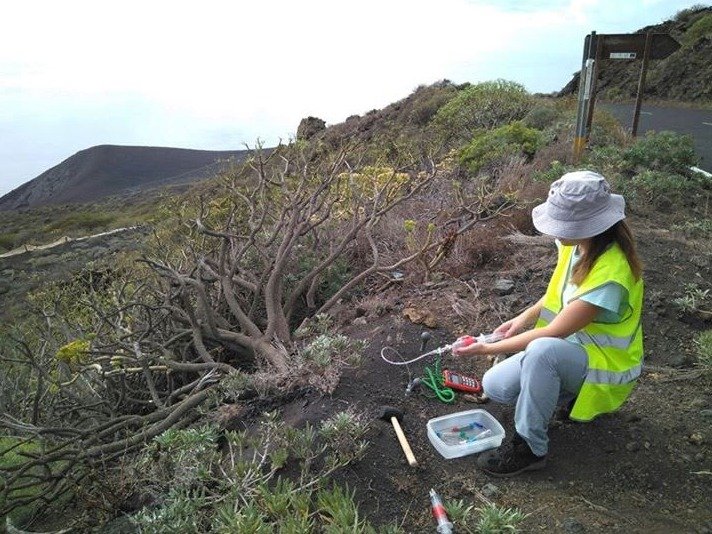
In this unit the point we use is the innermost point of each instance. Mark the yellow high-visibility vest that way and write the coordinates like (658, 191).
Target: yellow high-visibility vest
(615, 351)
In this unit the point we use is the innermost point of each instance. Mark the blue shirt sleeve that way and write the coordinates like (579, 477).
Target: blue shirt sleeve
(612, 299)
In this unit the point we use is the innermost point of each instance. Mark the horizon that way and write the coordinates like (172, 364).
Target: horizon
(167, 75)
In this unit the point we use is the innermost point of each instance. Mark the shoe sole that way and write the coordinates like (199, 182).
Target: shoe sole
(536, 466)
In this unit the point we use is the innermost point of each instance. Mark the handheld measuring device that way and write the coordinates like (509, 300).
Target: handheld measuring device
(444, 382)
(461, 382)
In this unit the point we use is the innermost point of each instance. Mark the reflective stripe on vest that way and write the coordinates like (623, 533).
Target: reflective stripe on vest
(599, 376)
(546, 314)
(601, 340)
(605, 340)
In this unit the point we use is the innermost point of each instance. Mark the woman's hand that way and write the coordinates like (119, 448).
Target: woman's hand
(476, 349)
(512, 327)
(521, 322)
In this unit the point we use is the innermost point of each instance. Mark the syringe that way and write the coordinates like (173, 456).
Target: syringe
(464, 341)
(444, 524)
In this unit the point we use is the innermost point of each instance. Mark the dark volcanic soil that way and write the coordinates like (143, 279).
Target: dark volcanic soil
(646, 468)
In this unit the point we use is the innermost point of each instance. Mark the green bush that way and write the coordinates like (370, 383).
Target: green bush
(660, 189)
(498, 520)
(339, 511)
(701, 28)
(184, 458)
(201, 489)
(491, 146)
(695, 300)
(663, 151)
(15, 452)
(326, 348)
(489, 519)
(428, 100)
(606, 130)
(615, 94)
(83, 220)
(485, 105)
(654, 171)
(179, 513)
(606, 159)
(684, 14)
(555, 171)
(541, 116)
(704, 349)
(7, 241)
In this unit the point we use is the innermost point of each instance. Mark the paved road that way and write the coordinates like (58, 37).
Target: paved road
(696, 122)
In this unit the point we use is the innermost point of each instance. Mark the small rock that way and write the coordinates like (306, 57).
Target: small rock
(696, 438)
(490, 490)
(359, 321)
(421, 316)
(573, 526)
(679, 359)
(646, 445)
(504, 286)
(706, 414)
(632, 446)
(360, 311)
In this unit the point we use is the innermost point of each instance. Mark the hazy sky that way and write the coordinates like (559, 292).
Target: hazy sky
(217, 74)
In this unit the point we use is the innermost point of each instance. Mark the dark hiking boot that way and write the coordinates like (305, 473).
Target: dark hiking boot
(510, 459)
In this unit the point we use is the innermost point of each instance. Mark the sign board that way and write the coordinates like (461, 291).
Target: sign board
(632, 46)
(622, 46)
(622, 55)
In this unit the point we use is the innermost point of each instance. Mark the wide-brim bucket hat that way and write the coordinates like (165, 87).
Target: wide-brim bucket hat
(580, 205)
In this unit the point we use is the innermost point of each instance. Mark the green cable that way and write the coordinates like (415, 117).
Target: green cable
(433, 378)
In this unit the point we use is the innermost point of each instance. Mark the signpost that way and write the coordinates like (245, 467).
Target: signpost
(600, 48)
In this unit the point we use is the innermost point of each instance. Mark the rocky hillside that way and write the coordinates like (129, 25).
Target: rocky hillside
(683, 76)
(107, 170)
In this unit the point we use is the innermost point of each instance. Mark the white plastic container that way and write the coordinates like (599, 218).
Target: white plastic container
(479, 419)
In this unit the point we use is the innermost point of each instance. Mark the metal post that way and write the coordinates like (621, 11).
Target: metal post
(585, 78)
(641, 85)
(594, 79)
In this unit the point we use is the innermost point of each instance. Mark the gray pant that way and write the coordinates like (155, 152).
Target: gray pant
(549, 371)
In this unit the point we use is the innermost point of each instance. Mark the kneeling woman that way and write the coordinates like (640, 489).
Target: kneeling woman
(587, 344)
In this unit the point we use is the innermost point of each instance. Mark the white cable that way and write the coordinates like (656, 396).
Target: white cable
(437, 351)
(482, 338)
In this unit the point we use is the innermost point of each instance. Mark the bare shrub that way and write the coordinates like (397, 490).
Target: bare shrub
(478, 247)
